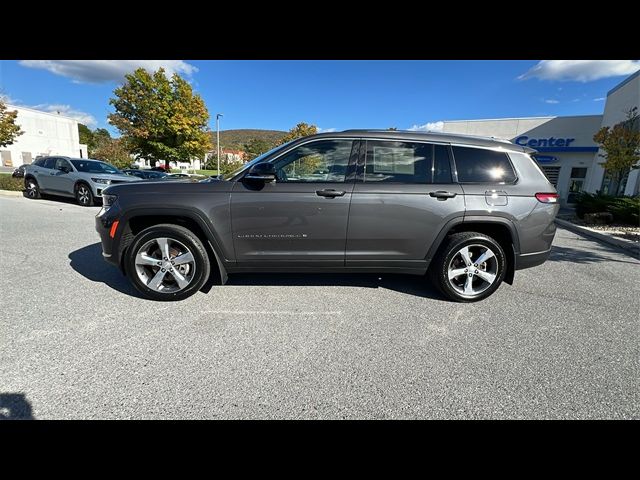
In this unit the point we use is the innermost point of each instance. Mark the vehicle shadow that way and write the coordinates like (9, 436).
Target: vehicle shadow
(15, 406)
(59, 199)
(575, 255)
(408, 284)
(88, 262)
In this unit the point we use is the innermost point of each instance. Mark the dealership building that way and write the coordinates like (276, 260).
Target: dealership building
(567, 153)
(45, 133)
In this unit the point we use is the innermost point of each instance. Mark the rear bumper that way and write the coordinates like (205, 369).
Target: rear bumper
(529, 260)
(104, 222)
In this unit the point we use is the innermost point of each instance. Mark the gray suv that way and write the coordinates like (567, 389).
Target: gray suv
(81, 178)
(465, 211)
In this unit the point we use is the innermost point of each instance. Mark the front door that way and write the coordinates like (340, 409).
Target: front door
(403, 197)
(60, 178)
(301, 218)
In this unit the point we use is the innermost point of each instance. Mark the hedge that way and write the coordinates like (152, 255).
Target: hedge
(7, 182)
(624, 209)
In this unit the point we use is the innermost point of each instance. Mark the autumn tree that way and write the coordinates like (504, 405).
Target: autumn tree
(256, 147)
(621, 146)
(300, 130)
(113, 151)
(9, 130)
(160, 118)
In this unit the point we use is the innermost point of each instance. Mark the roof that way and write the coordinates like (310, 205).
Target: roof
(624, 82)
(57, 115)
(425, 136)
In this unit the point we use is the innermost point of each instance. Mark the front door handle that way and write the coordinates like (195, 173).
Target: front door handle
(442, 195)
(330, 193)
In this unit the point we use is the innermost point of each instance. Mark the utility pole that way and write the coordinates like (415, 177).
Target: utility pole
(218, 115)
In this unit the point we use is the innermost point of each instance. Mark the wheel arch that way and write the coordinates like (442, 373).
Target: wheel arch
(140, 219)
(501, 229)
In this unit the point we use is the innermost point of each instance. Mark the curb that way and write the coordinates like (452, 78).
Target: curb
(12, 193)
(628, 245)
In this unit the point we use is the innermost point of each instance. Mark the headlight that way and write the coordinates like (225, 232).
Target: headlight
(108, 200)
(101, 180)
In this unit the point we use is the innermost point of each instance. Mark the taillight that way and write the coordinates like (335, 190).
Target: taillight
(114, 227)
(548, 197)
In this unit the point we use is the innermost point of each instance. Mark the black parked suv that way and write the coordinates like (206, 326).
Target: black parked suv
(467, 211)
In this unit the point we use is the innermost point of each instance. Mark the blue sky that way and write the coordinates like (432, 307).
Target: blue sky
(331, 94)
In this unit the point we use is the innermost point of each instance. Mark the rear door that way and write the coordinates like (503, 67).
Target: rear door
(403, 197)
(44, 173)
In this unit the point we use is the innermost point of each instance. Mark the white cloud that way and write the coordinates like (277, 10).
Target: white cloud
(66, 110)
(599, 99)
(101, 71)
(551, 100)
(580, 70)
(428, 127)
(326, 130)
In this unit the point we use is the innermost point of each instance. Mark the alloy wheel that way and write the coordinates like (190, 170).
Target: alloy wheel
(165, 265)
(473, 269)
(83, 195)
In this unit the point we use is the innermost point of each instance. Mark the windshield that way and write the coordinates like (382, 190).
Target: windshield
(251, 163)
(94, 166)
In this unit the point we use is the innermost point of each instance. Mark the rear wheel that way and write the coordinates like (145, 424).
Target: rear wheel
(469, 267)
(32, 188)
(167, 262)
(84, 196)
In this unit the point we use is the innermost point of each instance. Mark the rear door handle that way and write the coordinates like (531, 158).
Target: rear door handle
(441, 194)
(330, 193)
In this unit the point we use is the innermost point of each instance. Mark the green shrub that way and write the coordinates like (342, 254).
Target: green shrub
(623, 209)
(7, 182)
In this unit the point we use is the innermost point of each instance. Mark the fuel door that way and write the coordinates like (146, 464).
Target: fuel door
(496, 198)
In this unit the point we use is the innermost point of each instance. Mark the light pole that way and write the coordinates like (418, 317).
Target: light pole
(218, 115)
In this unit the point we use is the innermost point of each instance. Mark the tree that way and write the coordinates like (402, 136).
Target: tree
(255, 147)
(86, 137)
(160, 118)
(113, 151)
(300, 130)
(621, 146)
(9, 130)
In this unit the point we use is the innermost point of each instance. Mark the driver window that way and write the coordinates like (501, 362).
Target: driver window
(61, 162)
(317, 162)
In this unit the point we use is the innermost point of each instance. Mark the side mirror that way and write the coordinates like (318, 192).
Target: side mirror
(64, 169)
(263, 172)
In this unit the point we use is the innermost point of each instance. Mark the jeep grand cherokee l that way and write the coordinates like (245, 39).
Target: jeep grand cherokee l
(466, 211)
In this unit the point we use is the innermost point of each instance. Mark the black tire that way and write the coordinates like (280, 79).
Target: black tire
(439, 268)
(174, 233)
(32, 189)
(84, 195)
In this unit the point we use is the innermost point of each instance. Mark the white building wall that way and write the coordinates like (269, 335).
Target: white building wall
(44, 134)
(620, 99)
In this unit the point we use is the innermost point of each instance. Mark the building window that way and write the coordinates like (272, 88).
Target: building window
(26, 157)
(6, 158)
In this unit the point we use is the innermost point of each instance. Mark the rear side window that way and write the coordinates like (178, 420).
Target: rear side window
(478, 165)
(406, 162)
(50, 163)
(39, 162)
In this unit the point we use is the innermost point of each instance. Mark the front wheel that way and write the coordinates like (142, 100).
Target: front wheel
(167, 262)
(469, 267)
(84, 196)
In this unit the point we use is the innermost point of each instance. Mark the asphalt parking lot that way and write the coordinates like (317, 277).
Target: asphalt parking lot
(76, 342)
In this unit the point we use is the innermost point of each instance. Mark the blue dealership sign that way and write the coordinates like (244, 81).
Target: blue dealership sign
(552, 144)
(545, 159)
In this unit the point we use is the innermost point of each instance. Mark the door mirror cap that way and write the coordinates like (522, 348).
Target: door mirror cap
(262, 172)
(64, 169)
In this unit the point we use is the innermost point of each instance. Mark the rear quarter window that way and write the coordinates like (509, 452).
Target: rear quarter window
(479, 165)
